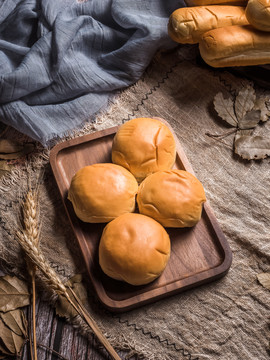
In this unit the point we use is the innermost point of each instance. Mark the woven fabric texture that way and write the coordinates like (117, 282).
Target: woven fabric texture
(225, 320)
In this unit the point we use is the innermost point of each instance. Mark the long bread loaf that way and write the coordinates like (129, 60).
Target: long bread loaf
(186, 25)
(235, 46)
(258, 14)
(216, 2)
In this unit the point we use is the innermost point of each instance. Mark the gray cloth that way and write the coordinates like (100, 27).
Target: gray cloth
(60, 61)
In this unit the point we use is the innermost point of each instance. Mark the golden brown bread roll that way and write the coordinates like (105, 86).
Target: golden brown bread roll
(101, 192)
(235, 46)
(186, 25)
(134, 248)
(174, 198)
(258, 14)
(215, 2)
(144, 146)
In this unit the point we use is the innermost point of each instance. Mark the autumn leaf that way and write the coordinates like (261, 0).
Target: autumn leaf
(26, 149)
(4, 352)
(13, 324)
(11, 342)
(8, 146)
(225, 109)
(244, 102)
(250, 119)
(63, 307)
(264, 280)
(244, 114)
(13, 293)
(251, 147)
(4, 168)
(77, 278)
(15, 321)
(261, 104)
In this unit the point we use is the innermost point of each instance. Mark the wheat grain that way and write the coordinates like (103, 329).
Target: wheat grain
(37, 257)
(31, 216)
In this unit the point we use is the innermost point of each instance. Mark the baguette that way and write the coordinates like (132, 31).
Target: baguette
(235, 46)
(186, 25)
(216, 2)
(258, 14)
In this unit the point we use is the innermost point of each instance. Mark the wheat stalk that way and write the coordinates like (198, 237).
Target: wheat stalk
(28, 239)
(30, 222)
(37, 257)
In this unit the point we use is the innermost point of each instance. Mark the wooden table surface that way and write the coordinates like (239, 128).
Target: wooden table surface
(55, 333)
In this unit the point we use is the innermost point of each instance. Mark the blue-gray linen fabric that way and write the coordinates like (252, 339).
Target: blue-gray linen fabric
(61, 60)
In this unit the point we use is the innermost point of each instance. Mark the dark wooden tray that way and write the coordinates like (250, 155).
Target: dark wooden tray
(198, 255)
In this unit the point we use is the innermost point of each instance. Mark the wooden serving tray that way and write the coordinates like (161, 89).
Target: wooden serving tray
(198, 255)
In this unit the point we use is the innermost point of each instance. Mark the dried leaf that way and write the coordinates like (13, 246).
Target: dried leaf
(261, 104)
(264, 280)
(4, 166)
(13, 293)
(27, 149)
(4, 352)
(12, 156)
(77, 278)
(250, 120)
(225, 109)
(11, 341)
(63, 307)
(8, 146)
(2, 173)
(15, 320)
(252, 147)
(244, 102)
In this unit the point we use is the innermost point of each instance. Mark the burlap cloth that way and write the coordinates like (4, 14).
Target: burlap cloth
(227, 319)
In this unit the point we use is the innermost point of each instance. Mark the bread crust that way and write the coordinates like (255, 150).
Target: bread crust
(235, 46)
(216, 2)
(258, 14)
(101, 192)
(174, 198)
(186, 25)
(134, 248)
(144, 146)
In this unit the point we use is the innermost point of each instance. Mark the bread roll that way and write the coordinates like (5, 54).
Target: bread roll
(144, 146)
(134, 248)
(258, 14)
(101, 192)
(215, 2)
(186, 25)
(174, 198)
(235, 46)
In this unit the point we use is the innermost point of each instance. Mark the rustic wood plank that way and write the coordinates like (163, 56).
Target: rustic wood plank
(56, 334)
(44, 320)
